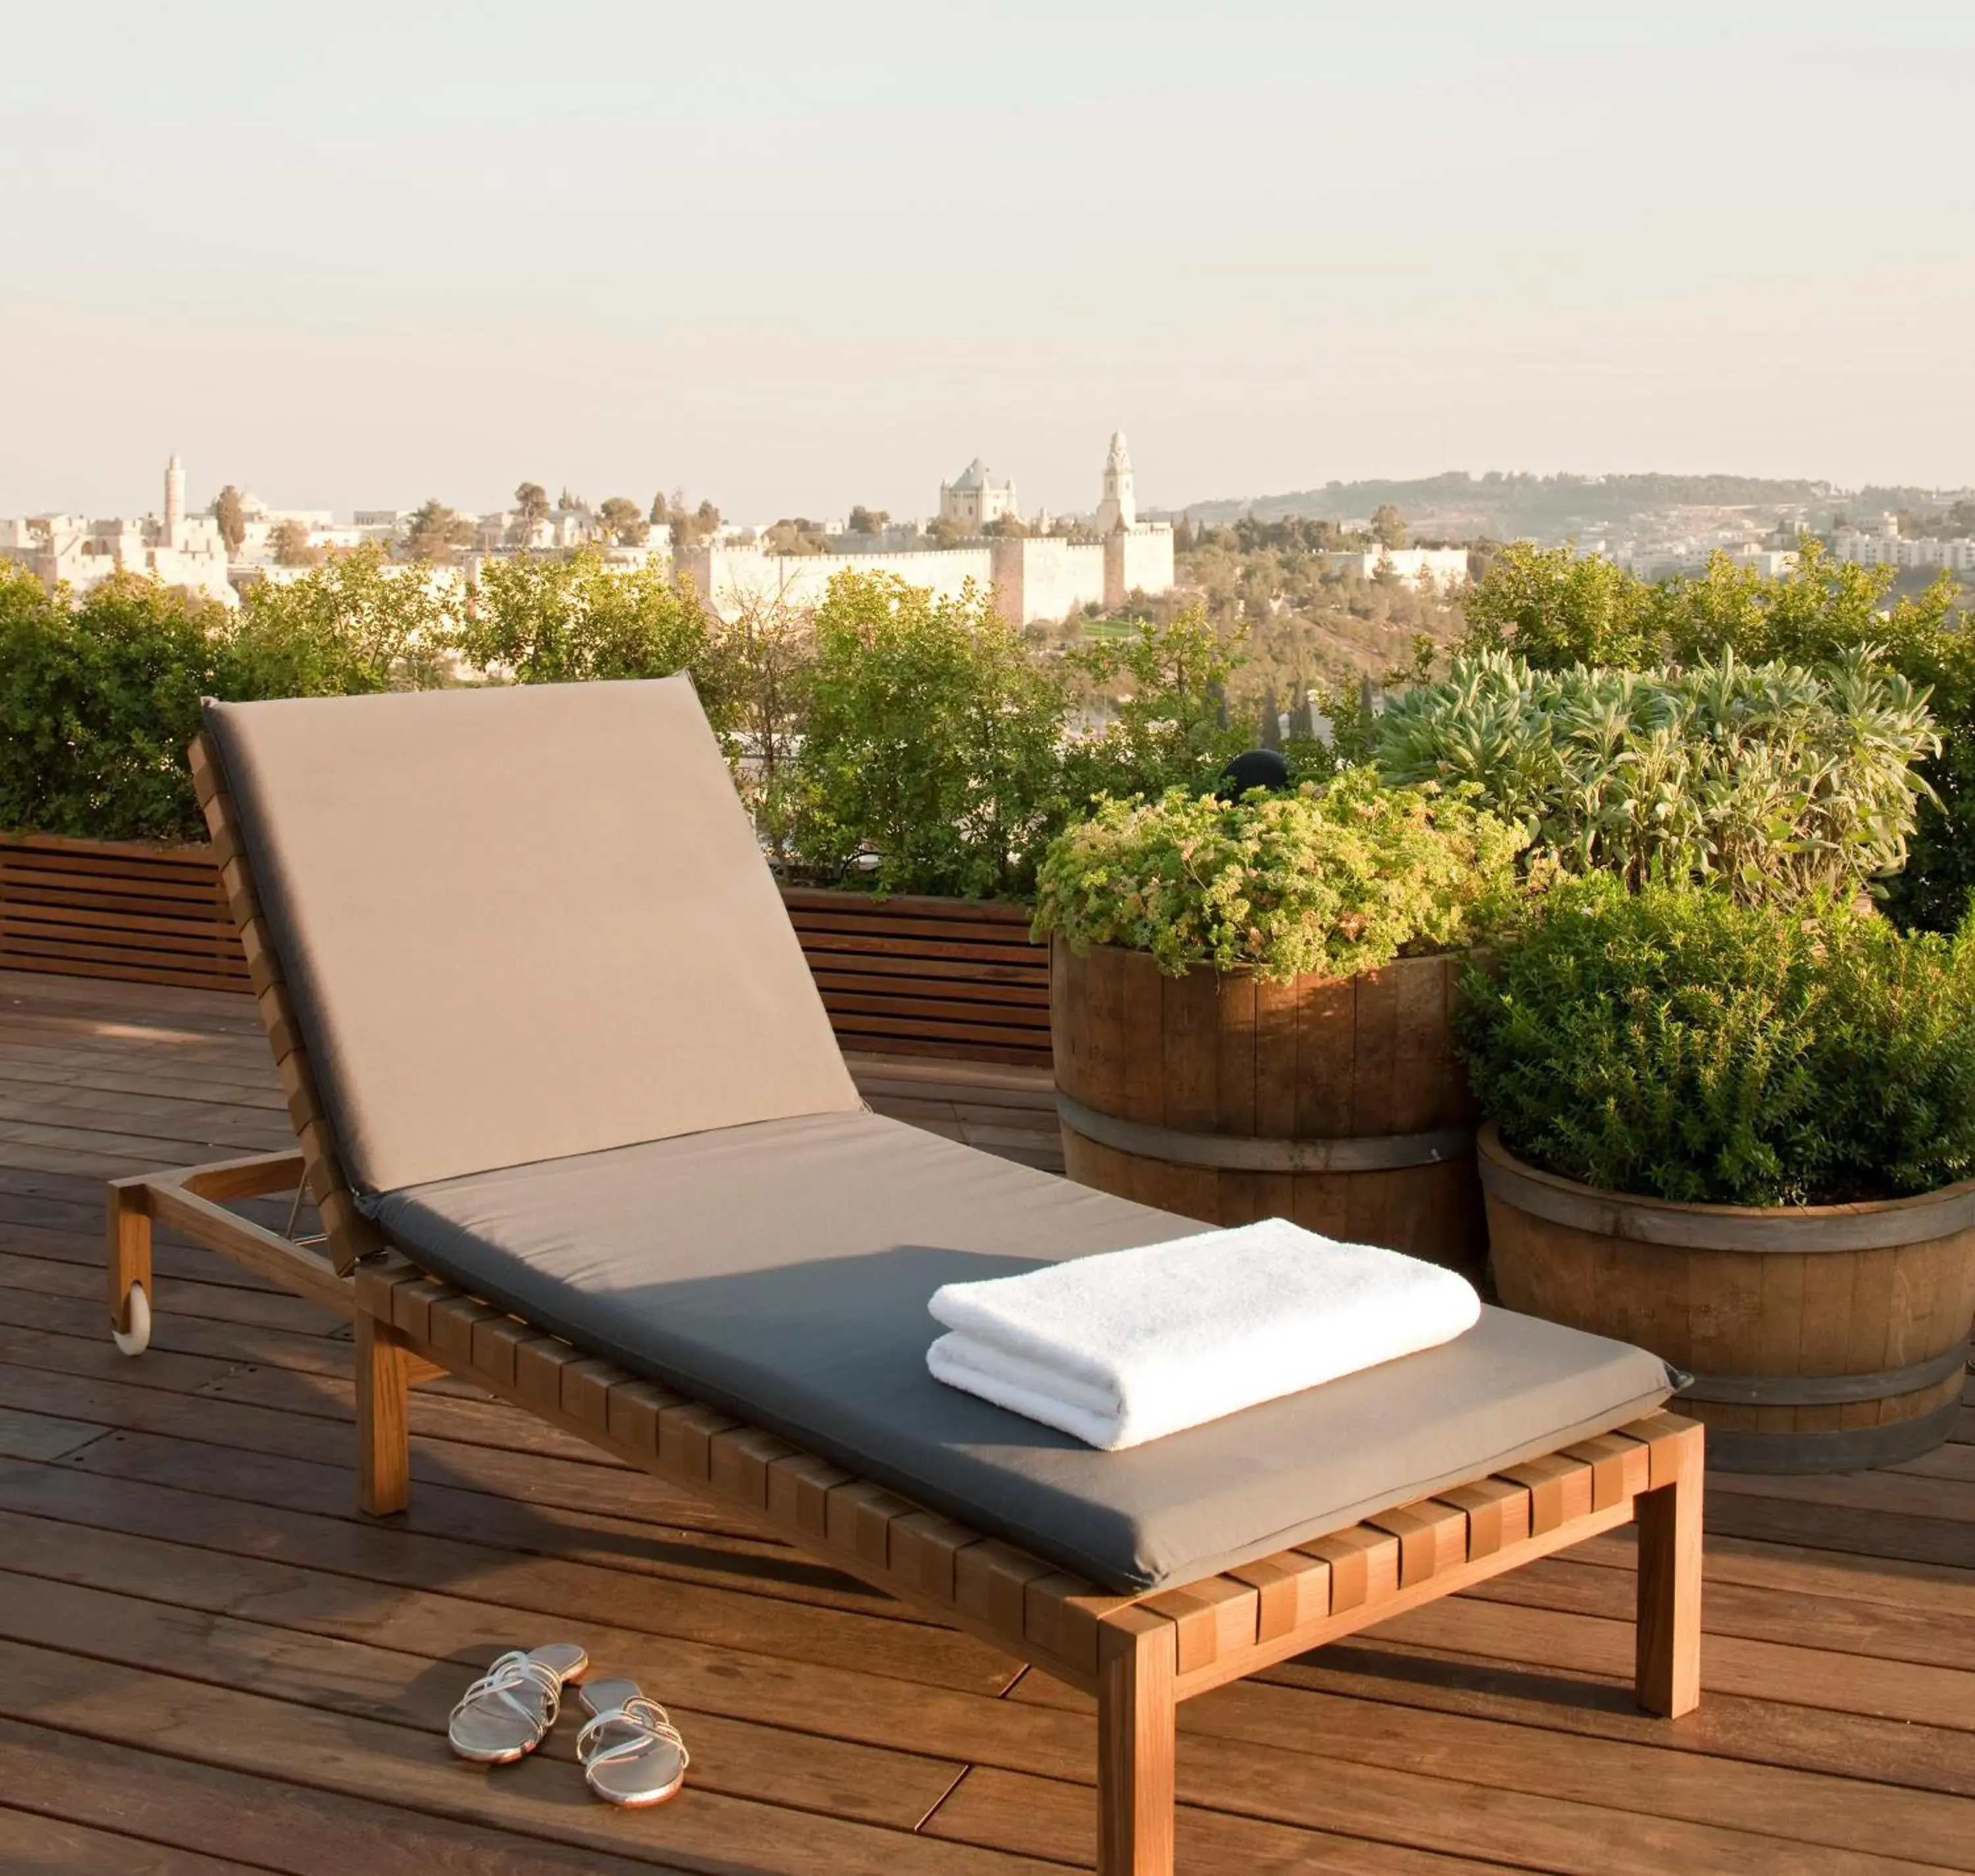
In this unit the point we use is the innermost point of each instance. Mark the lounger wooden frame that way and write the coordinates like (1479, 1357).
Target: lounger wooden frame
(1139, 1655)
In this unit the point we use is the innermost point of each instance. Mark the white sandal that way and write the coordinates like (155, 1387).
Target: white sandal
(507, 1712)
(631, 1752)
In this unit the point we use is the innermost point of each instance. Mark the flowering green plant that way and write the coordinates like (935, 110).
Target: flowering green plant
(1331, 879)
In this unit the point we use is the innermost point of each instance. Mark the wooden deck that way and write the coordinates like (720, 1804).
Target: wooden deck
(209, 1662)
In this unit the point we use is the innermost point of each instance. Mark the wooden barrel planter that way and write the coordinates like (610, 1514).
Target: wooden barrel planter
(1820, 1337)
(1336, 1102)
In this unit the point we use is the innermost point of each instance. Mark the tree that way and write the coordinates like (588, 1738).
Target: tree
(1005, 527)
(230, 513)
(531, 508)
(625, 519)
(1169, 723)
(758, 669)
(436, 533)
(99, 698)
(947, 530)
(1558, 608)
(355, 623)
(796, 534)
(864, 520)
(932, 740)
(292, 546)
(689, 525)
(566, 622)
(1388, 526)
(659, 511)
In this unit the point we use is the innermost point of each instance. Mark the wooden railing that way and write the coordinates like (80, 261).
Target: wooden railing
(927, 976)
(932, 977)
(149, 914)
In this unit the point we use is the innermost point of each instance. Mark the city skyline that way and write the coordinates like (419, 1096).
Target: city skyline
(359, 259)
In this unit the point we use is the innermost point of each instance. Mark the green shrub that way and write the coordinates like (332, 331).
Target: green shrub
(1762, 779)
(1334, 879)
(566, 621)
(1556, 610)
(99, 701)
(357, 623)
(930, 739)
(100, 695)
(1165, 730)
(1675, 1044)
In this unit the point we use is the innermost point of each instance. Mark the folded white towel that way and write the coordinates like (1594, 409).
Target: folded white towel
(1131, 1344)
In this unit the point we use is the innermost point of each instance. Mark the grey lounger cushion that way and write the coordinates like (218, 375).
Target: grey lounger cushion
(521, 923)
(781, 1271)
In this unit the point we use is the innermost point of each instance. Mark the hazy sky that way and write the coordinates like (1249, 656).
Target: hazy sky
(797, 257)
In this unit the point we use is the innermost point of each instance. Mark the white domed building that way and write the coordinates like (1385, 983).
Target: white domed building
(974, 498)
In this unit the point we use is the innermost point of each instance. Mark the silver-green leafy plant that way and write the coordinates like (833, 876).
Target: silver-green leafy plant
(1764, 780)
(1333, 880)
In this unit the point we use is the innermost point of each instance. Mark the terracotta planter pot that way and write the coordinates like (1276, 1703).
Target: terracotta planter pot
(1336, 1101)
(1821, 1338)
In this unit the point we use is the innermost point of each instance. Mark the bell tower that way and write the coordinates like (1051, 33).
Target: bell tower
(174, 500)
(1119, 508)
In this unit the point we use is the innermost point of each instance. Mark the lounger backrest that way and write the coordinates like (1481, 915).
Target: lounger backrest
(521, 923)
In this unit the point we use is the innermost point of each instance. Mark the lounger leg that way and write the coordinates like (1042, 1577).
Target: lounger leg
(128, 1249)
(1668, 1681)
(383, 1416)
(1136, 1712)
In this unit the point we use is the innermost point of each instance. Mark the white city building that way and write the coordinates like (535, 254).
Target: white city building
(974, 498)
(178, 549)
(1445, 567)
(1885, 546)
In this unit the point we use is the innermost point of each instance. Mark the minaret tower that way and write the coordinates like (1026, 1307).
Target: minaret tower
(174, 500)
(1119, 508)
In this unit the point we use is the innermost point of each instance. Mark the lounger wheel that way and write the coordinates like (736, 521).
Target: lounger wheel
(137, 1313)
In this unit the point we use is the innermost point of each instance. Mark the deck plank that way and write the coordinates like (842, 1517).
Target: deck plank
(209, 1661)
(93, 1787)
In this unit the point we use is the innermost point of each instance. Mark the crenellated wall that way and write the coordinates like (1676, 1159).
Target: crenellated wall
(1042, 577)
(1036, 579)
(1046, 577)
(730, 577)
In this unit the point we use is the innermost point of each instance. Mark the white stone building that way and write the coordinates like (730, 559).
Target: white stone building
(1885, 546)
(1034, 577)
(1445, 567)
(1120, 507)
(178, 549)
(974, 498)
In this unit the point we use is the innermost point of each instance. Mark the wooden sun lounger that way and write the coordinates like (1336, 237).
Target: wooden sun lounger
(1139, 1655)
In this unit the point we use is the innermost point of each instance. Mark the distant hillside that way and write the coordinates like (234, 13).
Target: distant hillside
(1508, 506)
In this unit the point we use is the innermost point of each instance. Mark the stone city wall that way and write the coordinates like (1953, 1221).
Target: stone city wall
(1042, 577)
(729, 578)
(1138, 559)
(1046, 578)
